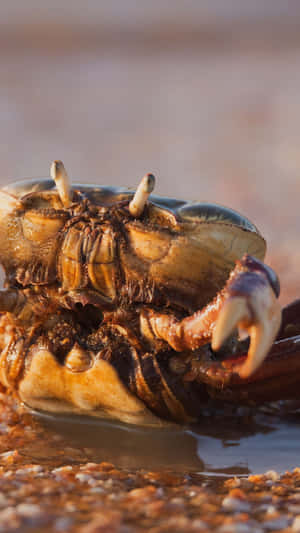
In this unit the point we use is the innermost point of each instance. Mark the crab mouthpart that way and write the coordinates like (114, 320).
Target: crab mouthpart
(96, 391)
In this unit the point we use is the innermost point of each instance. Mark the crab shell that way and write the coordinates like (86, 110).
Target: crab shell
(186, 248)
(184, 245)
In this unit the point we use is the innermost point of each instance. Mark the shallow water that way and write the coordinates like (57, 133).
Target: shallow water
(216, 447)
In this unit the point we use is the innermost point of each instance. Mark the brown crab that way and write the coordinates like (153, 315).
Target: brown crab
(118, 304)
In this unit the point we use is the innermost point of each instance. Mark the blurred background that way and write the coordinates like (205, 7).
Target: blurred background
(205, 94)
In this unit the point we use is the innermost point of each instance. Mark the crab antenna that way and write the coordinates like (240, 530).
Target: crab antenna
(60, 176)
(138, 202)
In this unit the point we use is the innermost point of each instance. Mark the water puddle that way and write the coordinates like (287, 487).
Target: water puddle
(216, 447)
(268, 444)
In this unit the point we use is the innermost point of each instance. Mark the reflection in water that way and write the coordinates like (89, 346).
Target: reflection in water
(264, 443)
(227, 447)
(128, 446)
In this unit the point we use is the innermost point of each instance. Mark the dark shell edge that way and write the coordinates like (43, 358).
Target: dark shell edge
(106, 195)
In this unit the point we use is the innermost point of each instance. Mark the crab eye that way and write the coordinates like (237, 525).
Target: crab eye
(39, 226)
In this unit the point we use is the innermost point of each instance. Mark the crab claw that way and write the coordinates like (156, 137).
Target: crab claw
(252, 306)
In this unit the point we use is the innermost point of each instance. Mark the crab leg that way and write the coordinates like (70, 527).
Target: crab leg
(187, 334)
(9, 299)
(248, 301)
(26, 304)
(276, 379)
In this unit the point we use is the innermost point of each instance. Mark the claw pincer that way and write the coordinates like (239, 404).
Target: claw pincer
(250, 305)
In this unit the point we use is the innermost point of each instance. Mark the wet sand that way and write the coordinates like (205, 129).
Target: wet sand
(52, 482)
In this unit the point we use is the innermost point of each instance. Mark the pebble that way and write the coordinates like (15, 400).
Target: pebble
(296, 524)
(67, 468)
(235, 504)
(97, 490)
(270, 509)
(35, 469)
(28, 510)
(84, 478)
(294, 508)
(276, 524)
(199, 524)
(4, 455)
(3, 500)
(63, 524)
(57, 493)
(272, 475)
(240, 527)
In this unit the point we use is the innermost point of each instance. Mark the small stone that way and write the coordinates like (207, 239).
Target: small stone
(10, 457)
(237, 493)
(294, 508)
(67, 468)
(83, 478)
(199, 499)
(97, 490)
(108, 521)
(33, 469)
(199, 524)
(272, 475)
(236, 504)
(4, 455)
(281, 522)
(8, 516)
(63, 523)
(270, 509)
(245, 484)
(296, 524)
(296, 496)
(3, 500)
(106, 467)
(70, 507)
(142, 494)
(29, 510)
(240, 527)
(108, 483)
(233, 483)
(89, 466)
(177, 501)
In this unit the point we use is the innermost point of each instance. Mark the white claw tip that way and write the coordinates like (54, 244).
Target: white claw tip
(234, 311)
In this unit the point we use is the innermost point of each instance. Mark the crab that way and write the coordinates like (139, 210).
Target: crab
(124, 304)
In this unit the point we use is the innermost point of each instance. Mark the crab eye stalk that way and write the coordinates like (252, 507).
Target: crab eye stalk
(61, 178)
(138, 202)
